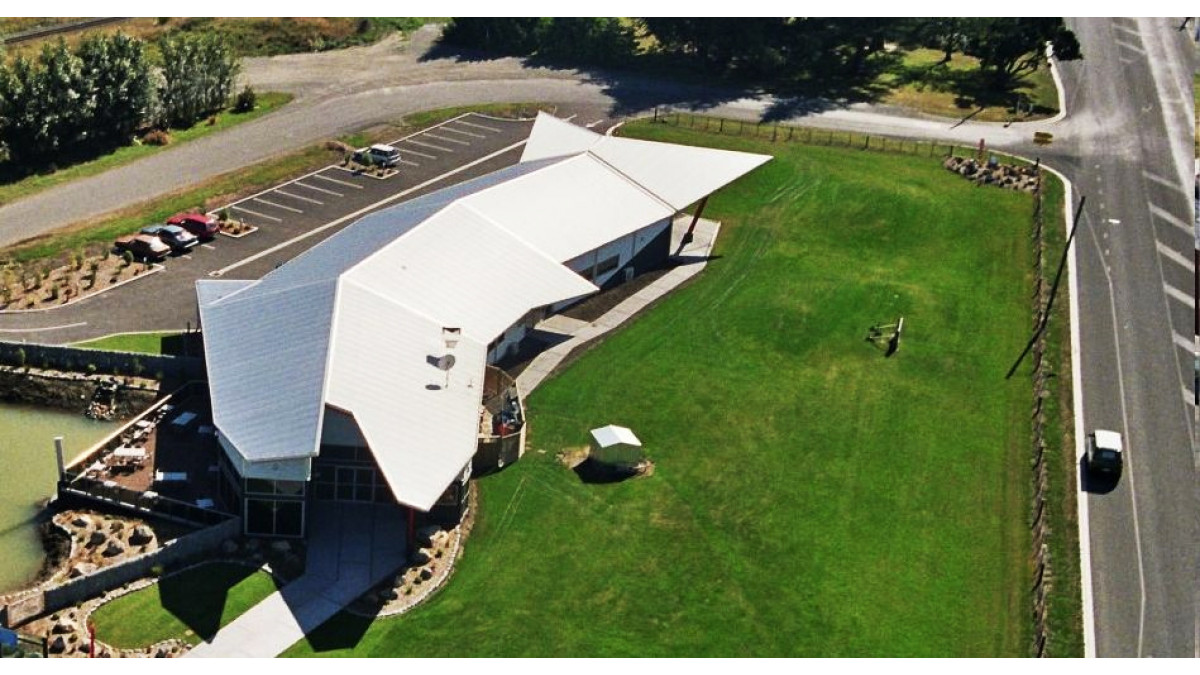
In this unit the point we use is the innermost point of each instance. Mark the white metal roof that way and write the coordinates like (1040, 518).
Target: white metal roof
(356, 321)
(382, 371)
(612, 434)
(679, 175)
(466, 271)
(581, 205)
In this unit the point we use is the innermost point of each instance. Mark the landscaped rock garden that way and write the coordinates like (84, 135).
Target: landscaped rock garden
(78, 392)
(97, 540)
(41, 284)
(233, 227)
(1009, 176)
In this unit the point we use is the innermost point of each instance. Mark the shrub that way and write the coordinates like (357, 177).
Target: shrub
(212, 121)
(246, 100)
(21, 357)
(156, 137)
(127, 258)
(91, 369)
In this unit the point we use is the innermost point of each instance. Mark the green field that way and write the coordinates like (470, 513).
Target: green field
(811, 498)
(190, 606)
(144, 343)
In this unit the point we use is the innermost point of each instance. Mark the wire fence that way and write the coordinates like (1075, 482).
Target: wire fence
(786, 133)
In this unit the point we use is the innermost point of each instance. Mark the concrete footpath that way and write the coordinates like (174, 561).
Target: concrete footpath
(692, 259)
(351, 548)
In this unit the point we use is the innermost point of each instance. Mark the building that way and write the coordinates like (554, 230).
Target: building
(358, 370)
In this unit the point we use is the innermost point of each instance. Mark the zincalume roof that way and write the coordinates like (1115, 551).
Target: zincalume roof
(357, 321)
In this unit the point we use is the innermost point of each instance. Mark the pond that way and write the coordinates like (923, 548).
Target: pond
(27, 476)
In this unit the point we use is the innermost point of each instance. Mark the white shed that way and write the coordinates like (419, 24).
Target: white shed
(616, 445)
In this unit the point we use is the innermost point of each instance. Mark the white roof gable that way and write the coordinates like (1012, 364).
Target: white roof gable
(679, 175)
(265, 356)
(421, 432)
(578, 205)
(614, 435)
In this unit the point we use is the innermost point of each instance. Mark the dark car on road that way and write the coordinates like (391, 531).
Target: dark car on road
(203, 226)
(378, 155)
(143, 246)
(174, 236)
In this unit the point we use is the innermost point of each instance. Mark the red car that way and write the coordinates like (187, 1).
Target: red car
(203, 226)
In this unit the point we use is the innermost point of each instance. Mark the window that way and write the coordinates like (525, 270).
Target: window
(607, 265)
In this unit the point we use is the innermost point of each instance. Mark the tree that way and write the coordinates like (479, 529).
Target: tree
(517, 36)
(1010, 47)
(119, 78)
(197, 77)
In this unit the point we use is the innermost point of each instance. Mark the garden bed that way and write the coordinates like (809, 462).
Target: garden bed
(33, 286)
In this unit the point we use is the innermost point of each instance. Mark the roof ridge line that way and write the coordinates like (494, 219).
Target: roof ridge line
(612, 167)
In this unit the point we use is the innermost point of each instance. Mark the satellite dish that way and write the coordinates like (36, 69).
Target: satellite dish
(445, 362)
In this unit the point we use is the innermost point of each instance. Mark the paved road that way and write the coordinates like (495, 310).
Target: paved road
(1130, 153)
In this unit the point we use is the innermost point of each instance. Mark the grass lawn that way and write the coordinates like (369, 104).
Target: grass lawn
(953, 90)
(13, 189)
(810, 498)
(190, 606)
(144, 343)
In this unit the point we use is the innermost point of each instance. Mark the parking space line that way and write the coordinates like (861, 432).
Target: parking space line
(419, 154)
(1160, 180)
(1171, 218)
(447, 140)
(405, 161)
(319, 189)
(208, 246)
(464, 133)
(1130, 47)
(1188, 343)
(339, 182)
(256, 213)
(310, 200)
(1175, 256)
(1180, 295)
(278, 206)
(366, 209)
(1188, 396)
(431, 146)
(478, 126)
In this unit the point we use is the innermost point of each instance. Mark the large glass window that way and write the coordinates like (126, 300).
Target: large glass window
(274, 518)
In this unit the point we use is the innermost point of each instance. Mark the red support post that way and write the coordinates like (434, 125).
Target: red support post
(687, 236)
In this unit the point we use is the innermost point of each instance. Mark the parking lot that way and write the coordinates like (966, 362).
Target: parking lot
(290, 217)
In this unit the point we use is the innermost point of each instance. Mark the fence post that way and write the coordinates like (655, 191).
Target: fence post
(775, 133)
(721, 127)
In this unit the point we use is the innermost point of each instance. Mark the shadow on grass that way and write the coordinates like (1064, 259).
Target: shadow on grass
(598, 473)
(183, 344)
(344, 631)
(198, 597)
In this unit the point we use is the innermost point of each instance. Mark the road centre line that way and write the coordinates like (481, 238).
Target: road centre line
(319, 189)
(472, 134)
(365, 209)
(256, 213)
(419, 154)
(431, 146)
(478, 126)
(1179, 295)
(447, 140)
(1175, 256)
(310, 200)
(278, 206)
(1171, 218)
(339, 182)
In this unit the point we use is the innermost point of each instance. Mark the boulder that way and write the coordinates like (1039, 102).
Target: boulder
(63, 627)
(96, 538)
(58, 645)
(141, 535)
(229, 547)
(417, 558)
(81, 570)
(426, 573)
(116, 526)
(281, 546)
(81, 521)
(388, 594)
(113, 548)
(253, 544)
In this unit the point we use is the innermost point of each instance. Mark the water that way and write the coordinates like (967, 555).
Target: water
(27, 476)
